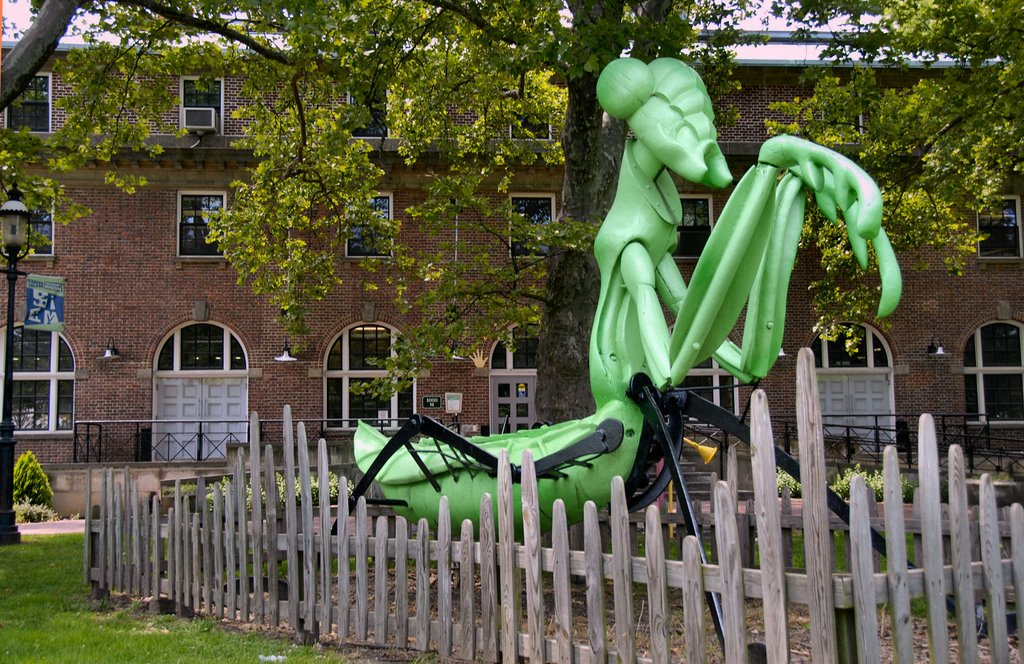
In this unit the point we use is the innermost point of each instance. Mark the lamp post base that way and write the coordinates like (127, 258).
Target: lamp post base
(9, 533)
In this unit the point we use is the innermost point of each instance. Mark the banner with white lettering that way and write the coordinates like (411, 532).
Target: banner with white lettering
(45, 303)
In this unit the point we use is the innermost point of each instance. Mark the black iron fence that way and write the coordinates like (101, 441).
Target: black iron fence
(863, 438)
(124, 441)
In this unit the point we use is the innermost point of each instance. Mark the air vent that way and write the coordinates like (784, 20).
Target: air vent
(201, 120)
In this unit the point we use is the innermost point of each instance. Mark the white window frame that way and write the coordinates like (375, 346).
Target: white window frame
(182, 107)
(177, 221)
(49, 106)
(979, 371)
(53, 377)
(391, 215)
(554, 215)
(711, 224)
(1020, 251)
(346, 375)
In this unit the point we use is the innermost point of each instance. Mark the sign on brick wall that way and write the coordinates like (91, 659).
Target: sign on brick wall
(45, 303)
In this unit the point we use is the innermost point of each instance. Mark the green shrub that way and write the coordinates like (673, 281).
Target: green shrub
(28, 513)
(875, 481)
(786, 481)
(333, 487)
(30, 482)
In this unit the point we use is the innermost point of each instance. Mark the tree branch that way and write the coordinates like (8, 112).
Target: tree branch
(210, 25)
(36, 46)
(469, 12)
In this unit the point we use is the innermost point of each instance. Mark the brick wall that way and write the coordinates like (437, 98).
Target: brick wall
(125, 283)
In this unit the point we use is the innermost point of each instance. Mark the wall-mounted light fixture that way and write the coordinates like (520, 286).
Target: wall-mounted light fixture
(935, 348)
(286, 354)
(110, 353)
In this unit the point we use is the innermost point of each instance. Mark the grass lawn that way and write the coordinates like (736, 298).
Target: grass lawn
(46, 615)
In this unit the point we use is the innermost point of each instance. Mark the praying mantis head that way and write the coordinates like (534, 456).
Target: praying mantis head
(667, 106)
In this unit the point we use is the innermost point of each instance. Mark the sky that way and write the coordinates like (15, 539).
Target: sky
(17, 18)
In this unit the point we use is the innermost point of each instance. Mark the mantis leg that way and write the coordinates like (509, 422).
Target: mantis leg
(725, 272)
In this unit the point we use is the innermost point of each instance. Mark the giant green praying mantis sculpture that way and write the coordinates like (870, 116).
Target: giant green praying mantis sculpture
(747, 261)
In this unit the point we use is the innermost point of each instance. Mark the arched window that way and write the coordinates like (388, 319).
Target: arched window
(855, 385)
(513, 379)
(993, 372)
(44, 381)
(356, 358)
(200, 393)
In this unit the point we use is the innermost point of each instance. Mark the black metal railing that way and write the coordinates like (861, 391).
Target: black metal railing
(124, 441)
(985, 447)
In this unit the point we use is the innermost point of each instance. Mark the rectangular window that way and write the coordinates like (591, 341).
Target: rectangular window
(363, 240)
(376, 128)
(31, 407)
(32, 108)
(536, 211)
(40, 239)
(1002, 228)
(695, 228)
(194, 210)
(201, 104)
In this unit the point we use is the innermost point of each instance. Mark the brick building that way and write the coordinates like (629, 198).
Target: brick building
(194, 346)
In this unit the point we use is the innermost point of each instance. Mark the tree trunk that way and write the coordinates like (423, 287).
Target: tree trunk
(593, 151)
(35, 47)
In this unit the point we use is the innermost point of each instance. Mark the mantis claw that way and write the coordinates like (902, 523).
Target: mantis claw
(827, 205)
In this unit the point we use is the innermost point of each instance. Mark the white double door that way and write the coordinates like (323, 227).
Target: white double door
(187, 407)
(858, 401)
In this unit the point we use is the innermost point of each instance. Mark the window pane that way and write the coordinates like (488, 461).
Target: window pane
(695, 228)
(31, 350)
(376, 128)
(32, 108)
(365, 406)
(368, 347)
(40, 225)
(971, 393)
(839, 356)
(1002, 229)
(537, 210)
(499, 358)
(335, 399)
(193, 226)
(334, 357)
(405, 403)
(1000, 345)
(1004, 396)
(31, 404)
(725, 395)
(970, 358)
(65, 404)
(202, 347)
(816, 349)
(525, 355)
(198, 93)
(237, 355)
(165, 361)
(880, 357)
(65, 361)
(365, 242)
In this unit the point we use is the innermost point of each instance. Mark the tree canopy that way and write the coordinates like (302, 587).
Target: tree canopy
(522, 64)
(928, 97)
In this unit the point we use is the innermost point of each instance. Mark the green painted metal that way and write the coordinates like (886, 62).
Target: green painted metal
(747, 262)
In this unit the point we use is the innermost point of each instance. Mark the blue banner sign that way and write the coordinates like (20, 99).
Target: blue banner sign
(45, 303)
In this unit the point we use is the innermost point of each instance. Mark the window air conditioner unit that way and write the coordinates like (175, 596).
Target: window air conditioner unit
(201, 120)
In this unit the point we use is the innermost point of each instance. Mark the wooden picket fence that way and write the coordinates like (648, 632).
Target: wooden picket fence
(486, 596)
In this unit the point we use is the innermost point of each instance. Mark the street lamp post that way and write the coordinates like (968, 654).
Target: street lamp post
(14, 220)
